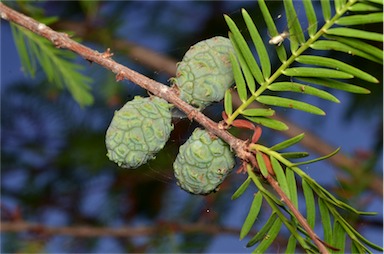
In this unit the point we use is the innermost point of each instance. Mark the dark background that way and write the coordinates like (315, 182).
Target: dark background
(53, 164)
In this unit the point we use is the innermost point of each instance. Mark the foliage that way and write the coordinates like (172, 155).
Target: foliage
(305, 69)
(58, 65)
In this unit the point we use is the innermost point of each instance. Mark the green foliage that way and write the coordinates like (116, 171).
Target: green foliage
(58, 65)
(289, 103)
(241, 189)
(309, 203)
(304, 69)
(288, 143)
(333, 70)
(252, 215)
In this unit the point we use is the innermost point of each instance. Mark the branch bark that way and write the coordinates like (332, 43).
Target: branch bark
(300, 218)
(62, 40)
(86, 231)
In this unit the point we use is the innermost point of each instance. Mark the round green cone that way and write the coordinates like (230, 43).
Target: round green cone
(138, 131)
(205, 72)
(203, 163)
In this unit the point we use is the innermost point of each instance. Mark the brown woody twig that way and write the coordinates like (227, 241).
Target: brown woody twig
(87, 231)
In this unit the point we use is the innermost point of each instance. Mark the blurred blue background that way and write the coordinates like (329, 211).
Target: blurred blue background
(53, 163)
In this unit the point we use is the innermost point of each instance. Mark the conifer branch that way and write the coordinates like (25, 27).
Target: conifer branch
(300, 218)
(162, 63)
(240, 147)
(62, 40)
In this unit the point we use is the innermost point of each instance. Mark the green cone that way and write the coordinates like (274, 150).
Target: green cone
(203, 163)
(205, 72)
(138, 131)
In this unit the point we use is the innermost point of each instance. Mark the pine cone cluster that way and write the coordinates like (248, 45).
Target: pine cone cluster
(142, 126)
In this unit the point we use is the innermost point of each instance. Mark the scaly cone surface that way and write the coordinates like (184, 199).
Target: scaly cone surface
(205, 72)
(138, 131)
(203, 163)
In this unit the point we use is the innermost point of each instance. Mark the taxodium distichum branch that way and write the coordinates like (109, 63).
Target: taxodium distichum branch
(240, 147)
(62, 40)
